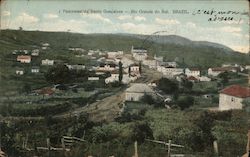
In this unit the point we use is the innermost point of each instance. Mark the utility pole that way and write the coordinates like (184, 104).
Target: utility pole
(136, 150)
(169, 147)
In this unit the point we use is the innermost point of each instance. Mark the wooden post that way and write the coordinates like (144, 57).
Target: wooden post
(216, 151)
(63, 146)
(169, 147)
(248, 143)
(48, 145)
(136, 150)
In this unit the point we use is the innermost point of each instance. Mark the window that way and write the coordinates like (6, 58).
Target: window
(232, 99)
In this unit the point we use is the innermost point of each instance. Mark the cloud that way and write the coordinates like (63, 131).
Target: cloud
(140, 18)
(244, 49)
(26, 18)
(230, 29)
(6, 13)
(124, 17)
(96, 17)
(166, 21)
(50, 16)
(64, 25)
(138, 28)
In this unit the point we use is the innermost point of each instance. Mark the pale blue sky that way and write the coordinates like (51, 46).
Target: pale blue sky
(48, 15)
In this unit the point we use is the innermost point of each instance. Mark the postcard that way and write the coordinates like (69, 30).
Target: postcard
(108, 78)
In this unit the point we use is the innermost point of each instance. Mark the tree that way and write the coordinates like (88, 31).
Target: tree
(224, 78)
(120, 72)
(58, 74)
(141, 131)
(147, 99)
(185, 102)
(167, 86)
(129, 71)
(140, 68)
(187, 84)
(26, 88)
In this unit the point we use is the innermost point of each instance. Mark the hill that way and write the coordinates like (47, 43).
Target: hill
(191, 53)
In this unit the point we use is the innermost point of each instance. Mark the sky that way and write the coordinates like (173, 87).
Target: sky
(135, 17)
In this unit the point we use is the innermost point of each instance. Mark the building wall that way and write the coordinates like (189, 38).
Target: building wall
(133, 96)
(227, 102)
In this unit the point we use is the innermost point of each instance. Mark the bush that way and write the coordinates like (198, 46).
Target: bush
(185, 102)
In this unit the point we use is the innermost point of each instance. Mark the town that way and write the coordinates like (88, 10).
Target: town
(93, 102)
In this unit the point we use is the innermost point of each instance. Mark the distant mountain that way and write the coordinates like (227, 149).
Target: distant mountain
(187, 52)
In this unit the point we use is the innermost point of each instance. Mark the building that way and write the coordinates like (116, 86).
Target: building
(139, 54)
(204, 79)
(19, 71)
(93, 78)
(232, 97)
(216, 71)
(35, 52)
(170, 72)
(136, 91)
(76, 67)
(192, 72)
(35, 69)
(107, 67)
(159, 58)
(117, 54)
(192, 79)
(24, 58)
(152, 64)
(47, 62)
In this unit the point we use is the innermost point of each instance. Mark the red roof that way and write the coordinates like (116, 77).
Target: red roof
(192, 78)
(23, 57)
(237, 91)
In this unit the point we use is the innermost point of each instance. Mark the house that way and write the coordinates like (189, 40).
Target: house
(76, 67)
(115, 77)
(107, 67)
(93, 78)
(152, 64)
(216, 71)
(35, 52)
(160, 58)
(169, 72)
(136, 91)
(134, 69)
(19, 71)
(117, 54)
(24, 58)
(47, 62)
(247, 67)
(232, 97)
(35, 69)
(204, 79)
(192, 79)
(139, 54)
(192, 72)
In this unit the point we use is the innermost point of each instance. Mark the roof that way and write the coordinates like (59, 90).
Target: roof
(194, 69)
(23, 57)
(192, 78)
(139, 88)
(222, 69)
(237, 91)
(45, 91)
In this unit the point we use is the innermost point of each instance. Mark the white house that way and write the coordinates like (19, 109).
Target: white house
(93, 78)
(19, 71)
(125, 77)
(204, 79)
(136, 91)
(24, 58)
(231, 97)
(169, 71)
(247, 67)
(139, 54)
(159, 58)
(47, 62)
(35, 69)
(76, 67)
(152, 64)
(192, 72)
(216, 71)
(35, 52)
(117, 54)
(106, 67)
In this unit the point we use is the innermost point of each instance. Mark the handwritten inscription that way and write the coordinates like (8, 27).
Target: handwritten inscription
(215, 15)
